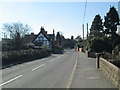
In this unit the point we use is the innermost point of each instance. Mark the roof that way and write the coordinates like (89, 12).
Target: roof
(48, 36)
(29, 38)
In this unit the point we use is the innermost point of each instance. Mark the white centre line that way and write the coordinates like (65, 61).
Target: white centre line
(10, 80)
(42, 59)
(38, 67)
(58, 57)
(52, 60)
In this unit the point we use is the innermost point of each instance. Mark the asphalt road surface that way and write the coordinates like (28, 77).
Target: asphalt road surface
(55, 71)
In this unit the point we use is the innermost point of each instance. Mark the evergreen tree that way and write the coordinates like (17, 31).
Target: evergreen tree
(58, 39)
(97, 27)
(72, 37)
(111, 22)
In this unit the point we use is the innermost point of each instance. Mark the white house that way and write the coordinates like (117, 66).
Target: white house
(118, 27)
(119, 9)
(44, 40)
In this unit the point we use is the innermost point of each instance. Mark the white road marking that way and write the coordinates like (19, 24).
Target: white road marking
(10, 80)
(52, 60)
(42, 59)
(38, 67)
(56, 58)
(59, 56)
(72, 74)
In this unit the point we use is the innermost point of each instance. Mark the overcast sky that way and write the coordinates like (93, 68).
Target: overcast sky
(66, 17)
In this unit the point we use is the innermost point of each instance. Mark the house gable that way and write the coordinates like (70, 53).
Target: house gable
(42, 39)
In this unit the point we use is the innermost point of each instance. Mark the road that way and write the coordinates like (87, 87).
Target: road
(55, 71)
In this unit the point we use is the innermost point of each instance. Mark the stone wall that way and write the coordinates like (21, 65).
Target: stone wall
(110, 71)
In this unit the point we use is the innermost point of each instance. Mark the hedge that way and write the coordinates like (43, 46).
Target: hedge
(57, 50)
(23, 56)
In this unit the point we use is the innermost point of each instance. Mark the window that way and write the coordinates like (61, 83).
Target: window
(41, 38)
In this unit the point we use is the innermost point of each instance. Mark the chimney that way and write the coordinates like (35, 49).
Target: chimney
(53, 32)
(46, 32)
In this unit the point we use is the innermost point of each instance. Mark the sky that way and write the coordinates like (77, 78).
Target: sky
(66, 17)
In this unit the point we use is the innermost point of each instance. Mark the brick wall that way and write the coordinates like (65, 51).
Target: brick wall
(110, 71)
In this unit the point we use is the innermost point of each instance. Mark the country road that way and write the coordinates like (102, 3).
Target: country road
(55, 71)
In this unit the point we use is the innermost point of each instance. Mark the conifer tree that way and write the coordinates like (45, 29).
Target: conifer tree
(96, 29)
(111, 22)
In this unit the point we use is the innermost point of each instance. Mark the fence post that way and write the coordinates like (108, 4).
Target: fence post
(98, 55)
(97, 60)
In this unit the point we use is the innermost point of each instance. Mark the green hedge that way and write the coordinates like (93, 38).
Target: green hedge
(23, 56)
(57, 50)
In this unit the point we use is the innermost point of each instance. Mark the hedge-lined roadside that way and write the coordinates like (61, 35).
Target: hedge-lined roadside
(57, 50)
(23, 56)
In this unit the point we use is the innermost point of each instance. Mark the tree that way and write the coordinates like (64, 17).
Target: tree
(111, 22)
(72, 37)
(58, 39)
(78, 39)
(17, 32)
(97, 27)
(98, 45)
(79, 42)
(69, 43)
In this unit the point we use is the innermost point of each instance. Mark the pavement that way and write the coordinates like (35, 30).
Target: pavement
(87, 75)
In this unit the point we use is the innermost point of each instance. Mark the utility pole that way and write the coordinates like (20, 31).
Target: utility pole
(83, 31)
(83, 37)
(4, 35)
(87, 30)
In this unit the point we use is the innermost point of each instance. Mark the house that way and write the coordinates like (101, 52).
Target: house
(5, 44)
(28, 39)
(42, 39)
(118, 27)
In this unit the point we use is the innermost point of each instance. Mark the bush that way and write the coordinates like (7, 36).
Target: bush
(23, 55)
(100, 45)
(57, 50)
(117, 47)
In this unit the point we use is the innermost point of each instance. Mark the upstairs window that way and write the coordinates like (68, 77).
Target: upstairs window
(41, 38)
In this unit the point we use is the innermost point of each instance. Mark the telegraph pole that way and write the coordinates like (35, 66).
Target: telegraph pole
(83, 31)
(87, 30)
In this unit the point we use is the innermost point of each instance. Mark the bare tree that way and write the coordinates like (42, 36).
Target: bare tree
(15, 28)
(17, 32)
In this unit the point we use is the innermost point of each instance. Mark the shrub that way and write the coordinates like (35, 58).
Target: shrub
(23, 55)
(57, 50)
(100, 45)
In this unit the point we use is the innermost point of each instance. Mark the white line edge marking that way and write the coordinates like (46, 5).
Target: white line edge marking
(38, 67)
(72, 74)
(11, 80)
